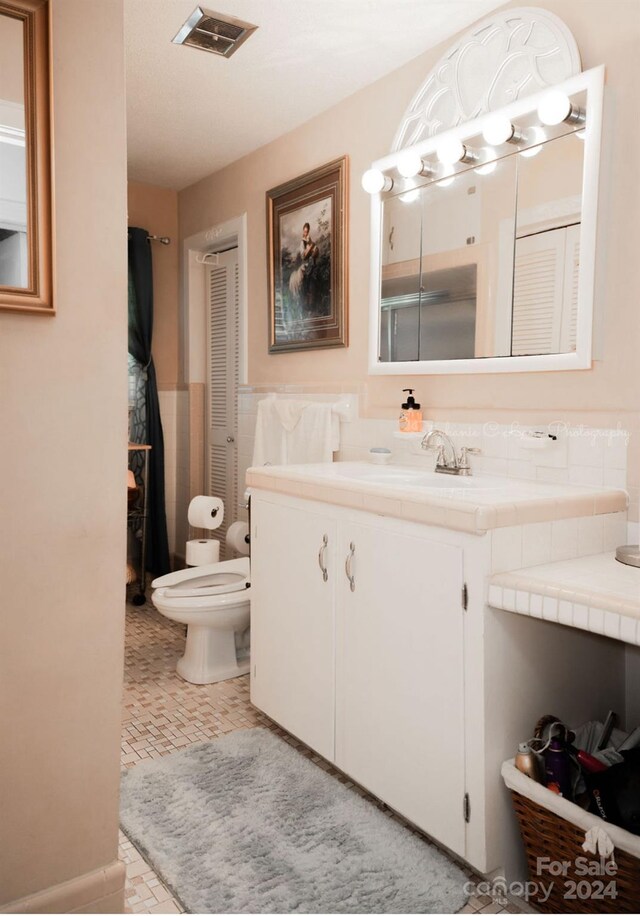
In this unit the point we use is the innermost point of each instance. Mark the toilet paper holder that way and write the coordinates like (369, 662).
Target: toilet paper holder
(205, 512)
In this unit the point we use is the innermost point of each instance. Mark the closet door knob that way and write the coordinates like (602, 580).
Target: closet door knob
(230, 439)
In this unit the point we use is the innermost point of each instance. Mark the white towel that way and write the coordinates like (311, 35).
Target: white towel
(316, 437)
(270, 446)
(295, 432)
(289, 412)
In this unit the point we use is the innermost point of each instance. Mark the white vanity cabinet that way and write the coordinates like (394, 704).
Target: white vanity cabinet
(399, 674)
(408, 681)
(367, 666)
(293, 620)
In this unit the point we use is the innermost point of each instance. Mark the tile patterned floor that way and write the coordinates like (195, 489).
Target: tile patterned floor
(163, 714)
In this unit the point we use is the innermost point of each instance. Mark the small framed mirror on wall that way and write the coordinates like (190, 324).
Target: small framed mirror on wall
(26, 240)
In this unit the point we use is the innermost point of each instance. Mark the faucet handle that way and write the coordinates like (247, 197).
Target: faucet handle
(440, 450)
(465, 451)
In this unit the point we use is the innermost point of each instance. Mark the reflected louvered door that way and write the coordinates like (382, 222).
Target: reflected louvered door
(571, 273)
(545, 292)
(222, 387)
(538, 282)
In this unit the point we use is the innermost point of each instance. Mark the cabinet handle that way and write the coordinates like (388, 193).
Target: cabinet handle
(347, 567)
(321, 563)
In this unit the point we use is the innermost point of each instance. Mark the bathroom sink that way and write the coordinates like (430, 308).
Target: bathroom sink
(394, 476)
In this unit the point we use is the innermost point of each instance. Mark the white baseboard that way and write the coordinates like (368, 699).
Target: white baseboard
(100, 891)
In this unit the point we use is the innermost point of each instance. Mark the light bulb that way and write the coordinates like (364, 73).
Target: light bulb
(374, 181)
(410, 196)
(410, 164)
(536, 136)
(487, 168)
(450, 151)
(498, 129)
(555, 108)
(448, 177)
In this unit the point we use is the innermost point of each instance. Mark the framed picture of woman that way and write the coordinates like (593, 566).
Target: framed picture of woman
(307, 260)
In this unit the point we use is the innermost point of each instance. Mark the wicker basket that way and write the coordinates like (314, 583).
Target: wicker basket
(558, 837)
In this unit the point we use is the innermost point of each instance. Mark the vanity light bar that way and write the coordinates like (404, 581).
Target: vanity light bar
(554, 108)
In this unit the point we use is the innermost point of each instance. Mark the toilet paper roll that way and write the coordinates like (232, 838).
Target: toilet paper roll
(206, 512)
(201, 552)
(236, 538)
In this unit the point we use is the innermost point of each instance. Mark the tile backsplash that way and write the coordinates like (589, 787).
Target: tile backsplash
(578, 455)
(562, 539)
(575, 455)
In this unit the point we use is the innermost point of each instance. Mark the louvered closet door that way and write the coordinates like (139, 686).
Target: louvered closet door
(222, 393)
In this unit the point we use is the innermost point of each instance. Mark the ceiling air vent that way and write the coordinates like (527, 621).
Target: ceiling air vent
(214, 32)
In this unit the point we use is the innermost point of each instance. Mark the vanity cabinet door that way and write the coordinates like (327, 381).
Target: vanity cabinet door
(292, 620)
(399, 713)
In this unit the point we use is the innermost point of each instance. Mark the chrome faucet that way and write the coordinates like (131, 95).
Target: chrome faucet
(448, 462)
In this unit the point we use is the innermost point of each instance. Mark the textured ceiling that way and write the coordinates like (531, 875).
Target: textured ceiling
(189, 113)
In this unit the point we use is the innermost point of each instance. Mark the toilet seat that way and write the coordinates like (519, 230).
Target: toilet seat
(214, 579)
(215, 584)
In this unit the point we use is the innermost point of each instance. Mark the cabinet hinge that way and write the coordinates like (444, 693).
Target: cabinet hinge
(466, 808)
(465, 596)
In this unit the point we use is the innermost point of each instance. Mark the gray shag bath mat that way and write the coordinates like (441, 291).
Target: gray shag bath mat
(246, 824)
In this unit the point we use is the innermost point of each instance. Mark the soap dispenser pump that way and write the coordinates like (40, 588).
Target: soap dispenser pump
(411, 415)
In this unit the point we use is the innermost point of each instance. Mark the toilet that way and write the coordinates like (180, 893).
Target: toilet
(213, 601)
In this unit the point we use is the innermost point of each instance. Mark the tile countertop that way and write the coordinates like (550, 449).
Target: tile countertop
(593, 593)
(474, 504)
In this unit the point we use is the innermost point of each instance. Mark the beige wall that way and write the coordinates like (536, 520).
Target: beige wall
(156, 210)
(607, 31)
(63, 416)
(11, 60)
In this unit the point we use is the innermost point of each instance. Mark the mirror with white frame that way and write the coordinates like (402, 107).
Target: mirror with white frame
(483, 240)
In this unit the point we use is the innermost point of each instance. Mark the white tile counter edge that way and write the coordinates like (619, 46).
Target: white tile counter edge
(474, 512)
(533, 593)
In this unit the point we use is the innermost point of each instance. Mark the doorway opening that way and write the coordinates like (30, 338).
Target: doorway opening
(215, 358)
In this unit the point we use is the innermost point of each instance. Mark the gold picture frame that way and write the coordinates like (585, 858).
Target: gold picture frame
(307, 258)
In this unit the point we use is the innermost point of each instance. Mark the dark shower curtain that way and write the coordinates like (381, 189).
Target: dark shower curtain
(140, 334)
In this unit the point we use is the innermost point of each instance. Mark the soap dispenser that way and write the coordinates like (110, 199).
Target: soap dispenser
(411, 416)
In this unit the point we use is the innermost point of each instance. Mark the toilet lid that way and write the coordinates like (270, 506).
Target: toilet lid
(219, 583)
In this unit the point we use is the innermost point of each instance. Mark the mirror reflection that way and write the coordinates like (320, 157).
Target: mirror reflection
(485, 262)
(547, 249)
(14, 257)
